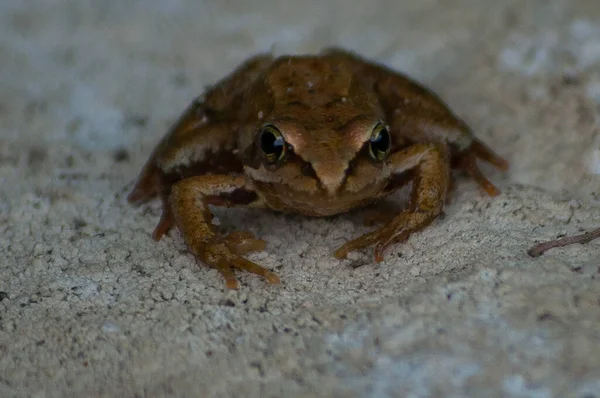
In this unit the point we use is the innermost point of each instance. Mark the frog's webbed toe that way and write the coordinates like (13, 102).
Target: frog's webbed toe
(467, 161)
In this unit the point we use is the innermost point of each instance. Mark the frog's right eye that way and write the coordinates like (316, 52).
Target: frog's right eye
(272, 144)
(379, 143)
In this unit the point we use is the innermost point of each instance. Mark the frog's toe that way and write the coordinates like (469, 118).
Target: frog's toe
(380, 239)
(388, 238)
(227, 273)
(220, 256)
(165, 224)
(357, 244)
(249, 266)
(396, 231)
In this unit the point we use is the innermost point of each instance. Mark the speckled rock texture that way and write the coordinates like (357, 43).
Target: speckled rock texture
(90, 306)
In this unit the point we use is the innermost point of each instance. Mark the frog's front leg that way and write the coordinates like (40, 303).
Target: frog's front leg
(189, 200)
(431, 166)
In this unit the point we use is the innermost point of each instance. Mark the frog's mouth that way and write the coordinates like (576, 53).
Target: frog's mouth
(294, 188)
(301, 177)
(318, 203)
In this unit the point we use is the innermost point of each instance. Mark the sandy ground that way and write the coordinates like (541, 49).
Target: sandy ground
(91, 306)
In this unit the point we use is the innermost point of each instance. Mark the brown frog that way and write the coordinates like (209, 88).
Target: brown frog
(313, 135)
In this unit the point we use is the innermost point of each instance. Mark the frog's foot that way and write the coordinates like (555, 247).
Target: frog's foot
(189, 201)
(218, 254)
(244, 242)
(398, 230)
(468, 162)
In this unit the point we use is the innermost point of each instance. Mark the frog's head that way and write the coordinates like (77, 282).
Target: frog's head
(325, 165)
(320, 140)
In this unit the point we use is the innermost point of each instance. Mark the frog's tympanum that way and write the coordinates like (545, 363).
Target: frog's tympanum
(312, 135)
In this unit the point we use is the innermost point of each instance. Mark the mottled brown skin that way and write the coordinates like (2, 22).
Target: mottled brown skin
(327, 108)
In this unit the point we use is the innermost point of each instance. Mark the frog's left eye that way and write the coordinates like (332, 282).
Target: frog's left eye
(272, 143)
(379, 143)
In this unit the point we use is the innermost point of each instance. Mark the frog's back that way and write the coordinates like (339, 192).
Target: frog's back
(313, 81)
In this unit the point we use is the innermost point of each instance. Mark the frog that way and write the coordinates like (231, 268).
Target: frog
(309, 134)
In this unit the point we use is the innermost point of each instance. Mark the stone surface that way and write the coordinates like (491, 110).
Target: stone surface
(91, 306)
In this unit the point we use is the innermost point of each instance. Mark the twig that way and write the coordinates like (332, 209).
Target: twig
(587, 237)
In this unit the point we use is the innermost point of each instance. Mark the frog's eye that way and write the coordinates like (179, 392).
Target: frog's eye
(272, 143)
(379, 143)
